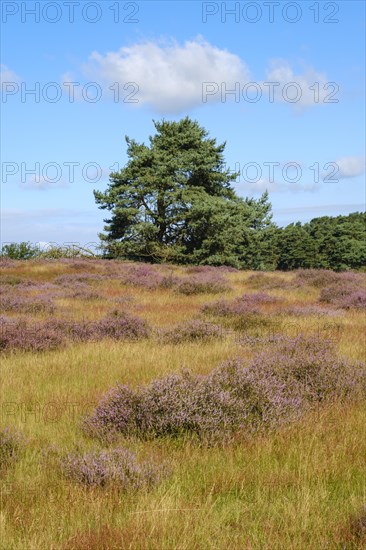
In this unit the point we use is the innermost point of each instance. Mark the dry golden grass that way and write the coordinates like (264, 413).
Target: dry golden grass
(301, 487)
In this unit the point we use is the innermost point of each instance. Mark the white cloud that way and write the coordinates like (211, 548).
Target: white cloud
(310, 88)
(350, 167)
(7, 75)
(169, 76)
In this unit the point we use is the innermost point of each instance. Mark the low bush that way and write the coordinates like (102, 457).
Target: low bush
(25, 304)
(117, 467)
(202, 283)
(311, 310)
(146, 276)
(244, 305)
(191, 331)
(81, 291)
(121, 326)
(264, 281)
(275, 387)
(316, 277)
(344, 294)
(19, 335)
(72, 278)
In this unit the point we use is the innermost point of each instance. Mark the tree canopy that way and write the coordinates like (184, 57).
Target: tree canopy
(174, 201)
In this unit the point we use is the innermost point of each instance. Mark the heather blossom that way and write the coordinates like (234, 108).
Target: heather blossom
(191, 331)
(113, 466)
(205, 282)
(276, 386)
(244, 305)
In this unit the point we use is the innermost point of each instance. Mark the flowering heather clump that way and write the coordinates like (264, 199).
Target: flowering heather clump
(276, 386)
(261, 280)
(114, 414)
(116, 466)
(18, 335)
(25, 304)
(11, 442)
(42, 287)
(82, 262)
(7, 262)
(4, 289)
(259, 341)
(78, 331)
(14, 280)
(88, 264)
(81, 291)
(203, 283)
(316, 277)
(5, 319)
(146, 276)
(71, 279)
(355, 299)
(193, 330)
(309, 310)
(121, 326)
(118, 325)
(310, 369)
(344, 294)
(244, 305)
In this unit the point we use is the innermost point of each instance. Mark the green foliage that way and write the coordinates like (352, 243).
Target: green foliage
(28, 251)
(324, 243)
(296, 248)
(174, 201)
(20, 251)
(56, 252)
(340, 241)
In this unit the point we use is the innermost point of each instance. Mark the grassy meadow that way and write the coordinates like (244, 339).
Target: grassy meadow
(294, 485)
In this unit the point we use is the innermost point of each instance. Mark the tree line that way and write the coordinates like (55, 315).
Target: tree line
(174, 202)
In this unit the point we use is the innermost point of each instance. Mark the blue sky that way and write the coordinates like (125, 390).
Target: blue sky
(304, 143)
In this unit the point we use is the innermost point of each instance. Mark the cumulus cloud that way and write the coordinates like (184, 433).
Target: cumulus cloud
(300, 90)
(169, 77)
(350, 167)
